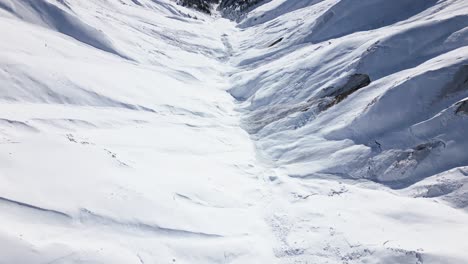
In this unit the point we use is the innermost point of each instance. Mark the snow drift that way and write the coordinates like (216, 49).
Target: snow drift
(310, 131)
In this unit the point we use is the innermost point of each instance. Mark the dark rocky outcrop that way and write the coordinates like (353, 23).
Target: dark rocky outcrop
(235, 9)
(315, 105)
(276, 42)
(354, 83)
(232, 9)
(462, 107)
(204, 6)
(241, 5)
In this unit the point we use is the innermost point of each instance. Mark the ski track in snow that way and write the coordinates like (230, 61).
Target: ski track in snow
(122, 141)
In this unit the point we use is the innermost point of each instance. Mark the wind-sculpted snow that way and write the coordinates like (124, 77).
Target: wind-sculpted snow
(42, 12)
(267, 13)
(287, 96)
(309, 131)
(110, 142)
(367, 15)
(356, 90)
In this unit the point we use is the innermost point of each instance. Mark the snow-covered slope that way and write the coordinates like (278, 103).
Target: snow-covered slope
(378, 82)
(140, 131)
(352, 90)
(120, 144)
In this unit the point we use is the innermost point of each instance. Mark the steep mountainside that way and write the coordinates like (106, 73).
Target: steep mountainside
(296, 131)
(379, 85)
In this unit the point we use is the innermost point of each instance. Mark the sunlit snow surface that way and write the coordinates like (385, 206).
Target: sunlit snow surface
(138, 131)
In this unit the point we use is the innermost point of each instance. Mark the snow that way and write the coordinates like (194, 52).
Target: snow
(140, 131)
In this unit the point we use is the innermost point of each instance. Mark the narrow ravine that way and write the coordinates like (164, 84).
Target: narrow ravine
(142, 131)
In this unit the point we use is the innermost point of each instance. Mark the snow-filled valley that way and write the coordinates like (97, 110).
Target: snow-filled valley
(302, 131)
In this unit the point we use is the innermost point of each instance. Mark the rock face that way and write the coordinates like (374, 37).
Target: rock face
(238, 4)
(311, 108)
(354, 83)
(463, 107)
(276, 42)
(200, 5)
(234, 9)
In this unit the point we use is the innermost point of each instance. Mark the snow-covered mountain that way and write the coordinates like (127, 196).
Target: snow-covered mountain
(298, 131)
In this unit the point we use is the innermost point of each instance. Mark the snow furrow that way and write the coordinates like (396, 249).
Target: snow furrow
(308, 131)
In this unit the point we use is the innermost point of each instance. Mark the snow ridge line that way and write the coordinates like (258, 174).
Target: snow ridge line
(89, 218)
(34, 207)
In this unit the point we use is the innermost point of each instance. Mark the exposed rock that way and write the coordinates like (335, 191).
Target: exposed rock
(441, 189)
(396, 167)
(462, 107)
(421, 151)
(232, 9)
(276, 42)
(235, 9)
(316, 104)
(354, 83)
(200, 5)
